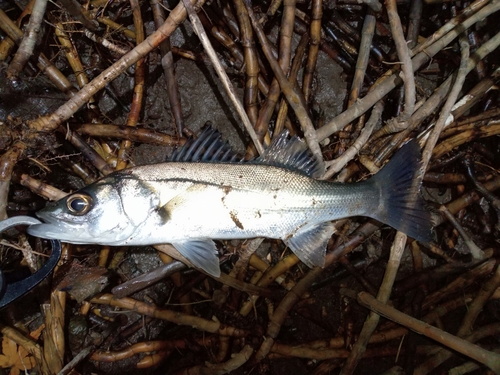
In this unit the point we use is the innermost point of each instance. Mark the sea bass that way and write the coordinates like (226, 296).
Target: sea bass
(204, 193)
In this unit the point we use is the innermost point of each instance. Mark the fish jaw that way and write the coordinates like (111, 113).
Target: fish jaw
(56, 228)
(59, 232)
(110, 220)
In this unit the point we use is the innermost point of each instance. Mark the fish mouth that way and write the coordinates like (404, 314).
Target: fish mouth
(59, 232)
(57, 229)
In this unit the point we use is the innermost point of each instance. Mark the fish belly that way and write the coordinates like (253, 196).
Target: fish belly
(222, 213)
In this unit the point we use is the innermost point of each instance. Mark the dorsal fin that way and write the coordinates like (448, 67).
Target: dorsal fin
(208, 147)
(290, 153)
(285, 152)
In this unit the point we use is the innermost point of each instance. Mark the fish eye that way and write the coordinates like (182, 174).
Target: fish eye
(79, 204)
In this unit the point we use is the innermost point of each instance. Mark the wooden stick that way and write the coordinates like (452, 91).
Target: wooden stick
(490, 359)
(27, 46)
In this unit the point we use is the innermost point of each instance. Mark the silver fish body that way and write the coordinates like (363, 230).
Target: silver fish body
(231, 201)
(188, 204)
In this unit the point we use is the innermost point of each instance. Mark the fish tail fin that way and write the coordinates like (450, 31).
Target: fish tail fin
(401, 205)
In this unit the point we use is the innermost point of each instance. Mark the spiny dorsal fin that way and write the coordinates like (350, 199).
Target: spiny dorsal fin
(208, 147)
(290, 153)
(283, 152)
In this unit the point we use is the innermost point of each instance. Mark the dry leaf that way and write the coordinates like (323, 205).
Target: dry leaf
(82, 282)
(14, 357)
(37, 332)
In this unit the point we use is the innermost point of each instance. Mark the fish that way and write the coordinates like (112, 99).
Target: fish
(206, 193)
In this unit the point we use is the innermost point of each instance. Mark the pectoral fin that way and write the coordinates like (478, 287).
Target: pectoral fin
(186, 201)
(202, 253)
(309, 244)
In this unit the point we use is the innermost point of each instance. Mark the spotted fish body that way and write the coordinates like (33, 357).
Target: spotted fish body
(189, 203)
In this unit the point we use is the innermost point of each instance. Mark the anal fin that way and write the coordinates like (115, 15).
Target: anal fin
(202, 253)
(309, 244)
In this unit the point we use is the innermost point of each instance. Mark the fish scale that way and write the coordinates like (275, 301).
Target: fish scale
(249, 188)
(204, 195)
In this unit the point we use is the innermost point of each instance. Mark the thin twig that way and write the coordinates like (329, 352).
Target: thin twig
(465, 330)
(44, 64)
(139, 80)
(476, 252)
(293, 98)
(7, 162)
(450, 25)
(389, 83)
(79, 13)
(450, 102)
(490, 359)
(437, 97)
(404, 57)
(383, 295)
(27, 46)
(334, 166)
(200, 31)
(363, 57)
(167, 63)
(105, 42)
(64, 112)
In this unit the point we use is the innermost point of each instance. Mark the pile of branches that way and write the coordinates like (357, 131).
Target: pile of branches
(415, 70)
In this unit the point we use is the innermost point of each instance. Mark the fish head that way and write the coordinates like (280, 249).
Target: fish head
(108, 212)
